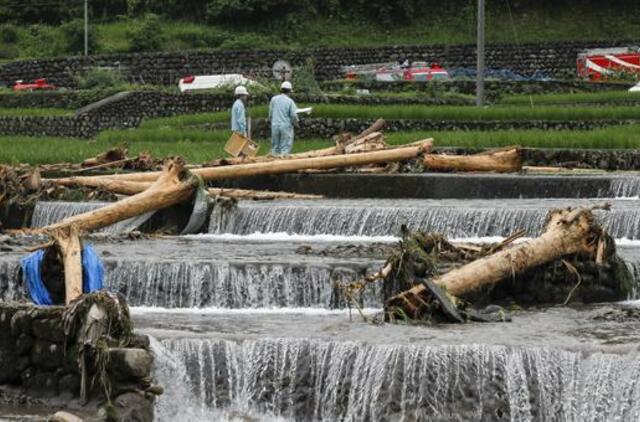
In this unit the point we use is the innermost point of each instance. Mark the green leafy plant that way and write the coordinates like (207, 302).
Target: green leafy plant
(73, 33)
(99, 78)
(147, 34)
(8, 33)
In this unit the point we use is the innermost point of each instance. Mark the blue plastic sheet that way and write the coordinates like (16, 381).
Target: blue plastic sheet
(92, 270)
(31, 272)
(92, 274)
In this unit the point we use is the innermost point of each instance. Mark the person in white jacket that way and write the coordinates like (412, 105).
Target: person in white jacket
(283, 116)
(238, 111)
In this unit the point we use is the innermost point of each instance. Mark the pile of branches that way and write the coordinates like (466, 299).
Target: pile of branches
(21, 187)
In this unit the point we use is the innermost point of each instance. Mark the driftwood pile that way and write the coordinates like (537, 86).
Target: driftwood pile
(177, 185)
(572, 261)
(151, 191)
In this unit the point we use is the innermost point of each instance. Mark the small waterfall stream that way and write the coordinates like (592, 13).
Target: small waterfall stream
(198, 284)
(301, 379)
(201, 283)
(49, 212)
(457, 219)
(624, 187)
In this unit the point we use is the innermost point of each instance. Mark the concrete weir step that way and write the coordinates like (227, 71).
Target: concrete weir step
(446, 186)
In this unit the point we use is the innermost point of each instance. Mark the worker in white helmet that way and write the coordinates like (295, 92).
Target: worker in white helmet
(283, 116)
(238, 111)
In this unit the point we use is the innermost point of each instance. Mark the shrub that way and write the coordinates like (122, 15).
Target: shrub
(304, 79)
(147, 35)
(9, 52)
(248, 10)
(73, 33)
(197, 37)
(99, 78)
(250, 41)
(8, 33)
(41, 41)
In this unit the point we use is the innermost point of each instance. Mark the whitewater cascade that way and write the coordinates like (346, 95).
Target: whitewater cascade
(197, 284)
(475, 218)
(227, 284)
(458, 219)
(49, 212)
(302, 379)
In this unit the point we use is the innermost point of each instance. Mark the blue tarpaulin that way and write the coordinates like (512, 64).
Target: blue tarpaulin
(92, 274)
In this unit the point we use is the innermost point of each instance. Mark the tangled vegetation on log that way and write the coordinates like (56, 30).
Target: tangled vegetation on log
(430, 279)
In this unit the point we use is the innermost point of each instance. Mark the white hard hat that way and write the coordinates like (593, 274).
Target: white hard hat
(241, 90)
(286, 85)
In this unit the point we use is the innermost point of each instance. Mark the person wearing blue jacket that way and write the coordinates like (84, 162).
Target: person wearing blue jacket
(238, 111)
(283, 116)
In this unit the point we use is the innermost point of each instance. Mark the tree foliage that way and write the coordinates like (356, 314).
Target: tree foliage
(238, 11)
(147, 36)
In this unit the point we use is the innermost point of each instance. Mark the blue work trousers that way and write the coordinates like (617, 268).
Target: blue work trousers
(281, 140)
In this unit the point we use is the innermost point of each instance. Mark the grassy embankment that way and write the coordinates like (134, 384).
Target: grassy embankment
(39, 112)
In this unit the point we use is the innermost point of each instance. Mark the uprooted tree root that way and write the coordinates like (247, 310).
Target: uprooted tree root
(431, 279)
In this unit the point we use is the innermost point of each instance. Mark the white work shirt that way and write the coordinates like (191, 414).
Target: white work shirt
(282, 111)
(239, 118)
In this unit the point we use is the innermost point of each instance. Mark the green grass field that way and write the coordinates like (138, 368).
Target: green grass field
(41, 112)
(201, 146)
(458, 113)
(592, 98)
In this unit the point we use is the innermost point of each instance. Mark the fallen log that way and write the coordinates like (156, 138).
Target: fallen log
(116, 163)
(114, 154)
(502, 161)
(259, 195)
(371, 142)
(67, 239)
(270, 167)
(122, 187)
(377, 126)
(167, 190)
(570, 232)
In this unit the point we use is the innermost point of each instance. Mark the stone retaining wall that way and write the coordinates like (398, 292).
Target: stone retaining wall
(36, 369)
(69, 100)
(326, 128)
(555, 59)
(63, 126)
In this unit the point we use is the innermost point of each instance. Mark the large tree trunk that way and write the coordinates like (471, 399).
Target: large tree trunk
(69, 242)
(114, 154)
(502, 161)
(272, 167)
(123, 187)
(371, 142)
(377, 126)
(259, 194)
(264, 158)
(166, 191)
(567, 232)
